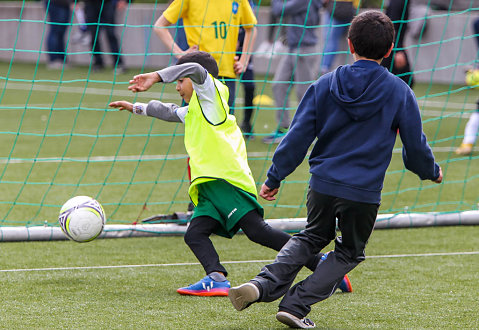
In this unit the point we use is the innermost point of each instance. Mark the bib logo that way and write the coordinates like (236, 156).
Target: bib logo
(235, 7)
(232, 212)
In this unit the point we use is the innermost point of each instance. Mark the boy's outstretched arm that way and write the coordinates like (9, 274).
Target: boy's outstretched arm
(143, 82)
(164, 111)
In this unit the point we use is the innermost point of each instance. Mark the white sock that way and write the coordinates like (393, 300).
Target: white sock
(472, 126)
(218, 277)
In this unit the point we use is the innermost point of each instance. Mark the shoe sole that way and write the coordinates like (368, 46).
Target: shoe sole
(205, 293)
(292, 321)
(244, 295)
(463, 153)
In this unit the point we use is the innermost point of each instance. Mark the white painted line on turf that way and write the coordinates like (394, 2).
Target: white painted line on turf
(95, 159)
(226, 262)
(428, 103)
(440, 254)
(92, 159)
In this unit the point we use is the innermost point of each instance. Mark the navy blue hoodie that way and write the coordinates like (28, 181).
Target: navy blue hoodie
(354, 113)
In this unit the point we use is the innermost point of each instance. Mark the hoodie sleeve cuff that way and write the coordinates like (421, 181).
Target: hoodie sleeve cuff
(436, 171)
(272, 184)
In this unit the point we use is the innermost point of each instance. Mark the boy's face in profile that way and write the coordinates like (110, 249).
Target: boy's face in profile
(184, 87)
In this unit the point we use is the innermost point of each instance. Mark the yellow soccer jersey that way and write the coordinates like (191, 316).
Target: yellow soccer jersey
(213, 25)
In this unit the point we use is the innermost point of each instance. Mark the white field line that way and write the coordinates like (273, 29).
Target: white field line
(92, 159)
(228, 262)
(449, 105)
(98, 159)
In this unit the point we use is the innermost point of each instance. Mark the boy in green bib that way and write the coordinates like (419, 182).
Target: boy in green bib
(224, 196)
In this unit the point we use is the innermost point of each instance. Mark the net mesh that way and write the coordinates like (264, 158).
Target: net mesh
(60, 138)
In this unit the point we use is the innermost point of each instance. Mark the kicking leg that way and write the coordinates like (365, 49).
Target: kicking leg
(258, 231)
(197, 237)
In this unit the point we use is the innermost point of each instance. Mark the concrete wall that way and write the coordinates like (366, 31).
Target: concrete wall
(444, 50)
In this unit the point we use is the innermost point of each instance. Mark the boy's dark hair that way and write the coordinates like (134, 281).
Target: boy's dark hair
(371, 34)
(202, 58)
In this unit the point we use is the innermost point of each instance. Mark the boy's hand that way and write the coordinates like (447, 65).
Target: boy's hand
(122, 105)
(193, 48)
(439, 179)
(143, 82)
(400, 60)
(238, 66)
(121, 4)
(268, 193)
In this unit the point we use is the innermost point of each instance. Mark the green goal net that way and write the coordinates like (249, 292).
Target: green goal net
(60, 139)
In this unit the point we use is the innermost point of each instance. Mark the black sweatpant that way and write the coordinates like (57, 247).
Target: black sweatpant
(355, 221)
(197, 237)
(100, 15)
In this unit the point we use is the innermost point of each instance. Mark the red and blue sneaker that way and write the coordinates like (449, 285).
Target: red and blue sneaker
(206, 287)
(345, 284)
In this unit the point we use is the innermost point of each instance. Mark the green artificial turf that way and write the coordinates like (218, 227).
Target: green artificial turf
(413, 278)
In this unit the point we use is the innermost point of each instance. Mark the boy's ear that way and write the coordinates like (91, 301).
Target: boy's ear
(351, 47)
(389, 51)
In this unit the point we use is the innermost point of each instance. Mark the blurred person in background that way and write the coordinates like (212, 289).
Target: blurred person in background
(398, 62)
(81, 36)
(297, 64)
(336, 17)
(247, 80)
(275, 41)
(100, 15)
(59, 16)
(472, 126)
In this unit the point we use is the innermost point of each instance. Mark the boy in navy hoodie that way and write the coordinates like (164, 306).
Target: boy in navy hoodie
(354, 113)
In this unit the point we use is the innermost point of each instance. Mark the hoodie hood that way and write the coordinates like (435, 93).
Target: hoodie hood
(358, 97)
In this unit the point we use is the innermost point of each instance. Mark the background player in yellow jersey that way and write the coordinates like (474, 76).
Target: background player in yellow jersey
(212, 26)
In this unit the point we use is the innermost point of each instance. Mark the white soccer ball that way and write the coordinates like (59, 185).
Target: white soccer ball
(82, 218)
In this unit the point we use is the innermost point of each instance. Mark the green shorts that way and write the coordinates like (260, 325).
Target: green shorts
(225, 203)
